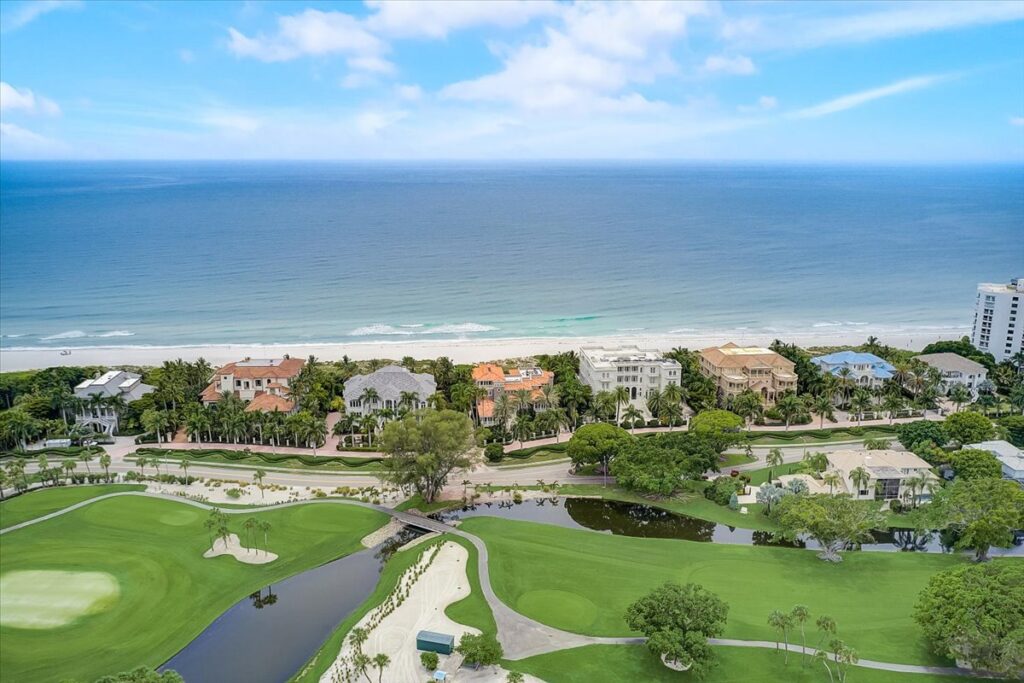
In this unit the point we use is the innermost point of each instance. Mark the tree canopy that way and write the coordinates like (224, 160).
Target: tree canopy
(593, 443)
(984, 512)
(968, 427)
(657, 465)
(912, 433)
(974, 463)
(720, 427)
(483, 649)
(678, 620)
(975, 613)
(425, 446)
(832, 521)
(965, 348)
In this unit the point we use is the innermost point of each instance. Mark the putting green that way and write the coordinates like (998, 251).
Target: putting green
(45, 599)
(578, 610)
(180, 517)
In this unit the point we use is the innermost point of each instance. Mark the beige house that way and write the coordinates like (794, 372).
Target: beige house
(264, 383)
(738, 368)
(887, 471)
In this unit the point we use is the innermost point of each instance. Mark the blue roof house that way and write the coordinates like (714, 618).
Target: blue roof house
(866, 369)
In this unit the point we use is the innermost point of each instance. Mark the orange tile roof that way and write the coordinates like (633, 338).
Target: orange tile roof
(268, 403)
(488, 372)
(485, 407)
(720, 357)
(210, 393)
(288, 367)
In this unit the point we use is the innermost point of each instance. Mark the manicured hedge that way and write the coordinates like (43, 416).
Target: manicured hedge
(201, 454)
(53, 453)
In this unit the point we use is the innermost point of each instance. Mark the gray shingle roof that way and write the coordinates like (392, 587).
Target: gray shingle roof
(389, 382)
(952, 361)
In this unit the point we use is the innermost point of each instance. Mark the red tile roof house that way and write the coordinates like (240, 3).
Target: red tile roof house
(495, 381)
(264, 383)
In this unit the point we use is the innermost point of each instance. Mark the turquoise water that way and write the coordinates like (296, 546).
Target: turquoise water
(128, 253)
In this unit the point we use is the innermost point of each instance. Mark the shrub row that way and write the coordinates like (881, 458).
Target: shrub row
(54, 452)
(242, 456)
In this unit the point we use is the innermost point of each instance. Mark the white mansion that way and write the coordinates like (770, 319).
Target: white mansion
(102, 398)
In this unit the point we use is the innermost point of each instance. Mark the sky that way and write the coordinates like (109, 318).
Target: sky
(503, 79)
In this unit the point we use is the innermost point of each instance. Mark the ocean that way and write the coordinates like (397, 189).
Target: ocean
(180, 254)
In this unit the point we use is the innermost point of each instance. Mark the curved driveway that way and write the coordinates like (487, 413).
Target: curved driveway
(520, 636)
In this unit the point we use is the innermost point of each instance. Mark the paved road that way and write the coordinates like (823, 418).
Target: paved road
(520, 636)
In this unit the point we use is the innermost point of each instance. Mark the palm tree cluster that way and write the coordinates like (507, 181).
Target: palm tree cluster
(227, 421)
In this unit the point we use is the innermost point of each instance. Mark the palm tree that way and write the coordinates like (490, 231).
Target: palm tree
(631, 415)
(832, 479)
(257, 477)
(621, 397)
(844, 377)
(816, 461)
(674, 393)
(409, 399)
(789, 406)
(503, 410)
(549, 395)
(781, 623)
(21, 427)
(105, 461)
(959, 395)
(822, 405)
(892, 404)
(860, 402)
(522, 399)
(368, 424)
(522, 429)
(69, 467)
(800, 614)
(917, 482)
(184, 465)
(250, 526)
(368, 398)
(860, 478)
(16, 468)
(655, 399)
(773, 459)
(381, 661)
(748, 405)
(86, 457)
(265, 528)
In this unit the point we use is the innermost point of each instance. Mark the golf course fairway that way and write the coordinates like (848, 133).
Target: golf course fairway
(124, 582)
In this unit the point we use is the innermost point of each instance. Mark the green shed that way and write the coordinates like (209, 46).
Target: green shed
(441, 643)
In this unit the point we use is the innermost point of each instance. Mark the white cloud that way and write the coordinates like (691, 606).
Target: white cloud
(786, 31)
(370, 63)
(21, 142)
(738, 65)
(370, 123)
(863, 97)
(590, 61)
(438, 18)
(409, 92)
(14, 99)
(312, 33)
(186, 55)
(1017, 120)
(764, 103)
(29, 11)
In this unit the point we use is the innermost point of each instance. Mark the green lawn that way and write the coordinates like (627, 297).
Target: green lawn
(583, 582)
(732, 459)
(168, 592)
(44, 501)
(734, 665)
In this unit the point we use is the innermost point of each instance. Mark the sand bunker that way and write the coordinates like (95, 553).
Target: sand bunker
(443, 583)
(47, 599)
(233, 547)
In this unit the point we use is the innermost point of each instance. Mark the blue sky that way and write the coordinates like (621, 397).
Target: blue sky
(803, 81)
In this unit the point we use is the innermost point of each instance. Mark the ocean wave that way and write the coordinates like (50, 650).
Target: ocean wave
(70, 334)
(382, 330)
(839, 323)
(80, 334)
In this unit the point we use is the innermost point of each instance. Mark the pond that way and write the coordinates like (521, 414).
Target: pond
(268, 636)
(634, 519)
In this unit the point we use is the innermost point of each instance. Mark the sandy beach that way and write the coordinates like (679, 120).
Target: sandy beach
(459, 350)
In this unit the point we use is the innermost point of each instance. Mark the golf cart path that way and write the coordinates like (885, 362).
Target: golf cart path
(520, 636)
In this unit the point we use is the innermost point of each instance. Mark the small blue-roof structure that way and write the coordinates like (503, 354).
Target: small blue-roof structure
(440, 676)
(429, 641)
(864, 363)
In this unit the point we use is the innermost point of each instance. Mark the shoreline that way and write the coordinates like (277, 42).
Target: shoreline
(459, 350)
